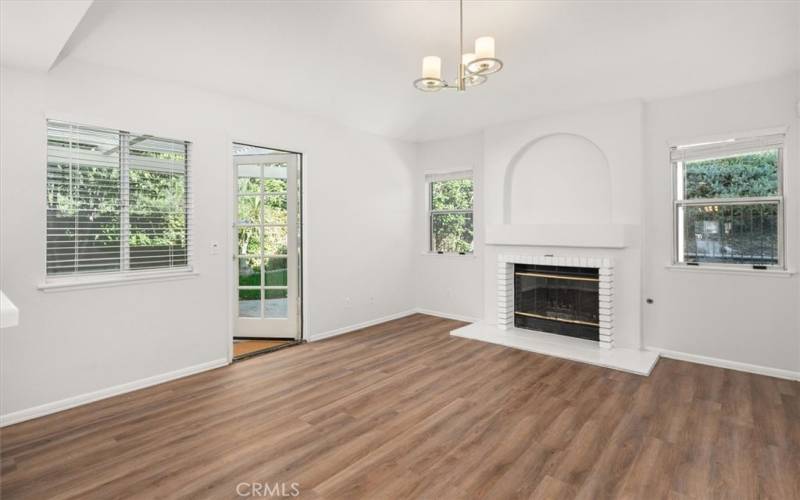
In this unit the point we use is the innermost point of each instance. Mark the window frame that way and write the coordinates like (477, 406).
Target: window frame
(725, 146)
(125, 274)
(444, 176)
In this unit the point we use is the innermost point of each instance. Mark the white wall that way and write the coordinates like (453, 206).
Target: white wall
(448, 284)
(751, 319)
(359, 213)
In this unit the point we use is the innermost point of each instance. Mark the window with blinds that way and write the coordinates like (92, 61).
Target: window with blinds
(116, 201)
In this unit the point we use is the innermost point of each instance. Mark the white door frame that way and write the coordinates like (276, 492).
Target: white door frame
(303, 320)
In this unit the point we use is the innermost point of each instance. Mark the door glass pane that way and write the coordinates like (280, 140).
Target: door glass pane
(249, 238)
(275, 240)
(249, 271)
(249, 303)
(275, 271)
(249, 177)
(275, 209)
(275, 178)
(276, 304)
(249, 209)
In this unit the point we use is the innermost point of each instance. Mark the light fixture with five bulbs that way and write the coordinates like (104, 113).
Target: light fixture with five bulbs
(473, 68)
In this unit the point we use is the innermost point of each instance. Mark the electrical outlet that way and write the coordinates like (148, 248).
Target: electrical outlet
(213, 247)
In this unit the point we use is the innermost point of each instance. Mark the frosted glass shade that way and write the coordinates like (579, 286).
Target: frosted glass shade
(484, 47)
(432, 67)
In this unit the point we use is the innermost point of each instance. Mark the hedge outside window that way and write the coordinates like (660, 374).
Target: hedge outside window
(729, 203)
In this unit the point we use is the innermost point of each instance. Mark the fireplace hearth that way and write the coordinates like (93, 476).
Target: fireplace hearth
(557, 299)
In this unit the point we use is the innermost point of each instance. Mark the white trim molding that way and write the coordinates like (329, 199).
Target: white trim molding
(439, 314)
(90, 397)
(358, 326)
(724, 363)
(116, 279)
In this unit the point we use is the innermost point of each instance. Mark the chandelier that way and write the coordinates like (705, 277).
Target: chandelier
(473, 67)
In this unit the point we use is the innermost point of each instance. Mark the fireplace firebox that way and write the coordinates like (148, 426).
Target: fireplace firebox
(557, 299)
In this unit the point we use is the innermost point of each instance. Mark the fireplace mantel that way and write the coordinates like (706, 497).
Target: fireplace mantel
(562, 235)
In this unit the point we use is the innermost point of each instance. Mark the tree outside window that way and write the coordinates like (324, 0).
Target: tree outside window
(451, 215)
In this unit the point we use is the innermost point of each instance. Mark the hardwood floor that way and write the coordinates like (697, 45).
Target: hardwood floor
(403, 410)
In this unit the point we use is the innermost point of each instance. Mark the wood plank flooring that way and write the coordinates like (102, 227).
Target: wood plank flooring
(403, 410)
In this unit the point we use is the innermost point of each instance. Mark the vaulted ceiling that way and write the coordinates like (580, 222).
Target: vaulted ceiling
(354, 61)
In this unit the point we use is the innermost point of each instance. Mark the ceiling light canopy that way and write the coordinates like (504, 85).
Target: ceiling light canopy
(473, 67)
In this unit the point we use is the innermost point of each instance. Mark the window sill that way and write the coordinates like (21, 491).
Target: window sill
(451, 255)
(773, 273)
(86, 282)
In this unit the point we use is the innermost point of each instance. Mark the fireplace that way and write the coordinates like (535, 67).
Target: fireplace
(558, 299)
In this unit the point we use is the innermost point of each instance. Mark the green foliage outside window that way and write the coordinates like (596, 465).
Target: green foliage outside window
(84, 210)
(748, 175)
(739, 233)
(451, 216)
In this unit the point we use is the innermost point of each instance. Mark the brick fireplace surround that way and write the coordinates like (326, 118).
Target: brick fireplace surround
(505, 288)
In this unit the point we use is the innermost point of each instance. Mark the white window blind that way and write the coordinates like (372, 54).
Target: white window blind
(448, 176)
(116, 201)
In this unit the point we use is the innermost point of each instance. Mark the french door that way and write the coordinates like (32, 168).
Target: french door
(268, 252)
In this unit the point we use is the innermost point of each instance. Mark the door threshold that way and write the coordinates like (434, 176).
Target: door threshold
(257, 352)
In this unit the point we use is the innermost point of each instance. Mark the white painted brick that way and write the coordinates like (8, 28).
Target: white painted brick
(608, 318)
(606, 345)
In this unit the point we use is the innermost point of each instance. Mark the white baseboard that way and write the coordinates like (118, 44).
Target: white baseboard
(724, 363)
(359, 326)
(457, 317)
(65, 404)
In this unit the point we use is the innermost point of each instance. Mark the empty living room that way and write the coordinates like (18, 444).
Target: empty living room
(399, 249)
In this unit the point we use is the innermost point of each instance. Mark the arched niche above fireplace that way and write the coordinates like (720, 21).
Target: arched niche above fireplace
(560, 178)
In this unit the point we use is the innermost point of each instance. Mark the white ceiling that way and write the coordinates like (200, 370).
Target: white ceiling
(32, 33)
(354, 61)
